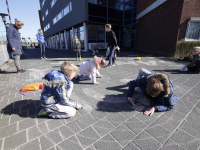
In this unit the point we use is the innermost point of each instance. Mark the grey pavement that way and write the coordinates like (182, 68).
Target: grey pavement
(108, 121)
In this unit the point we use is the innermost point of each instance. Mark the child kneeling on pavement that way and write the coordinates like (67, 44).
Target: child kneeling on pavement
(55, 97)
(158, 86)
(89, 69)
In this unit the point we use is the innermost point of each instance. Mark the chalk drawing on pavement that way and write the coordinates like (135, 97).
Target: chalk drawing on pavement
(142, 102)
(33, 71)
(107, 98)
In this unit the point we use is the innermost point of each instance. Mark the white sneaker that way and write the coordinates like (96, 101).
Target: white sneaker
(93, 53)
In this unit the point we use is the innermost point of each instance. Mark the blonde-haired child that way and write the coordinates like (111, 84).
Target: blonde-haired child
(77, 48)
(55, 97)
(194, 66)
(90, 69)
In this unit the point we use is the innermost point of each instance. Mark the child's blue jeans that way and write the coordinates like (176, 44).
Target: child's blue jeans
(142, 73)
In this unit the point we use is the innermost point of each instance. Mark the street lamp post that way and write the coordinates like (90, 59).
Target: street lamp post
(3, 18)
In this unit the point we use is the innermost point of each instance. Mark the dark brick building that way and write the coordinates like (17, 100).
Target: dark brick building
(161, 23)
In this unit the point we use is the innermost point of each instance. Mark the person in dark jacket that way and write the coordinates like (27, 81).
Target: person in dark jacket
(77, 48)
(55, 97)
(112, 44)
(14, 46)
(194, 66)
(158, 86)
(42, 43)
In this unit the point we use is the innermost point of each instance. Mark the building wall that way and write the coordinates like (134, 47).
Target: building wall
(157, 31)
(78, 15)
(143, 4)
(191, 8)
(40, 17)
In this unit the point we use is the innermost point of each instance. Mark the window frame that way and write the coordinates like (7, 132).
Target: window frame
(193, 19)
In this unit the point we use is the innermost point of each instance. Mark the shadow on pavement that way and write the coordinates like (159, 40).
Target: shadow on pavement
(23, 108)
(5, 72)
(174, 71)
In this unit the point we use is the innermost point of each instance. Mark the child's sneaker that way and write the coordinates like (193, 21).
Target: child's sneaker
(77, 77)
(80, 58)
(21, 71)
(76, 58)
(43, 113)
(93, 53)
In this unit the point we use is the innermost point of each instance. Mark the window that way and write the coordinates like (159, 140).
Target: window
(46, 13)
(62, 13)
(98, 2)
(43, 18)
(47, 27)
(66, 10)
(53, 2)
(43, 2)
(193, 29)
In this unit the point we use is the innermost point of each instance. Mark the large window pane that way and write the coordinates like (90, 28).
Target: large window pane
(128, 14)
(91, 27)
(127, 22)
(96, 10)
(115, 14)
(82, 28)
(194, 30)
(100, 27)
(92, 34)
(127, 28)
(96, 19)
(116, 22)
(98, 2)
(100, 35)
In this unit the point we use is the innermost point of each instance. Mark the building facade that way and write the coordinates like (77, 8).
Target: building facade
(63, 19)
(162, 23)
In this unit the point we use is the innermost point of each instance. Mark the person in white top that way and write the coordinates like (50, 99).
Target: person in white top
(90, 69)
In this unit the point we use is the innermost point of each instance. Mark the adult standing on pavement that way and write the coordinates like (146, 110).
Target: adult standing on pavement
(112, 44)
(14, 45)
(42, 43)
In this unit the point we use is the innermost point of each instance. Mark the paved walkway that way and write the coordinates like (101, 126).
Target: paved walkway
(107, 121)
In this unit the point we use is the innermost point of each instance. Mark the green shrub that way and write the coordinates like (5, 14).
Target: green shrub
(184, 49)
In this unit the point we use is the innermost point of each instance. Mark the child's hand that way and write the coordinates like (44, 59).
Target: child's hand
(97, 83)
(131, 100)
(79, 106)
(101, 76)
(149, 111)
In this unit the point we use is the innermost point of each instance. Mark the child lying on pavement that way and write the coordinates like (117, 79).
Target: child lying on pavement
(158, 86)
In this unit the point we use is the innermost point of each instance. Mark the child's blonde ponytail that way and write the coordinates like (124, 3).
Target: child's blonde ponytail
(19, 23)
